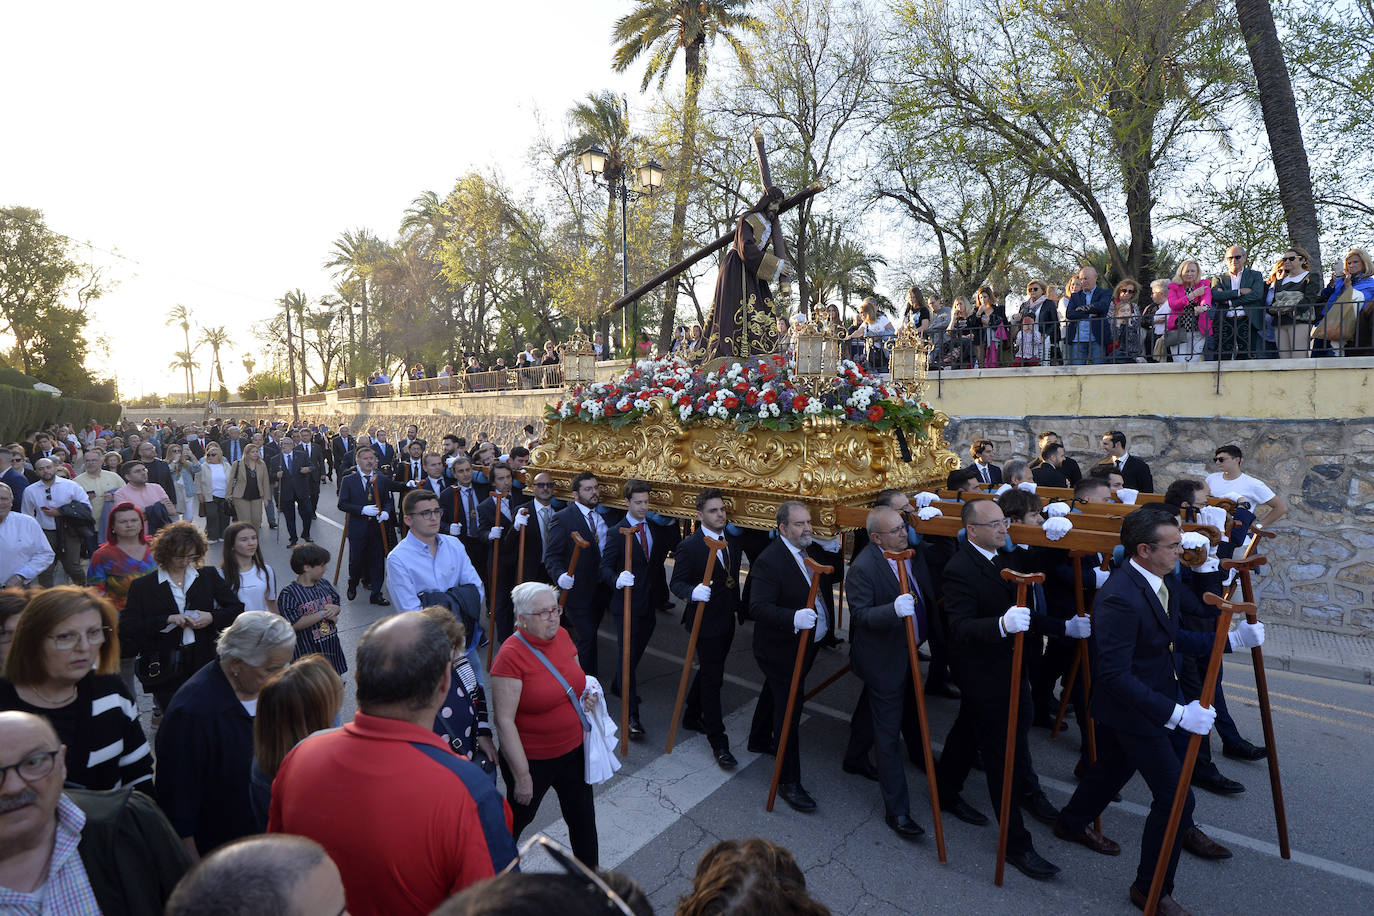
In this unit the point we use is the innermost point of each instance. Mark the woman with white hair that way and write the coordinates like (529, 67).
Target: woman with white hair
(205, 744)
(1188, 325)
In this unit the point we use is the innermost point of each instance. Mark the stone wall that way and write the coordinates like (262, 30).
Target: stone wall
(1321, 571)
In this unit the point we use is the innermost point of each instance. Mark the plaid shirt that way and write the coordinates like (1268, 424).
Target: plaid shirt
(67, 891)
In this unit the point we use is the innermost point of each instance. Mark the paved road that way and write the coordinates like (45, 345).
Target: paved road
(661, 812)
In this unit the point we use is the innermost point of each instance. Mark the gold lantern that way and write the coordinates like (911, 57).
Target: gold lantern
(579, 360)
(909, 360)
(817, 345)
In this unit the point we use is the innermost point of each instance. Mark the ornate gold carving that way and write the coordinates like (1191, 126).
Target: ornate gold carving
(826, 463)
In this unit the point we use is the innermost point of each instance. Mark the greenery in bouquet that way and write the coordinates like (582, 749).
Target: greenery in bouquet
(755, 391)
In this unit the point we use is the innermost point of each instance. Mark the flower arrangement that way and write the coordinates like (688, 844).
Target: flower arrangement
(756, 391)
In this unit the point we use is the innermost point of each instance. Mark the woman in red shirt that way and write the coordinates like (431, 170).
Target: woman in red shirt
(537, 721)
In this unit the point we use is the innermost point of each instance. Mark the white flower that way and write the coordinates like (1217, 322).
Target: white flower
(813, 406)
(684, 413)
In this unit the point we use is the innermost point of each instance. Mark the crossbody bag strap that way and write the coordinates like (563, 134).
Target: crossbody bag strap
(562, 681)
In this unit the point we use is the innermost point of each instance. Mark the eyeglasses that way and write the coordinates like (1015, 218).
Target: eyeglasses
(1219, 459)
(1173, 547)
(1000, 523)
(552, 614)
(1235, 257)
(32, 768)
(95, 636)
(572, 867)
(426, 514)
(1291, 257)
(544, 486)
(187, 557)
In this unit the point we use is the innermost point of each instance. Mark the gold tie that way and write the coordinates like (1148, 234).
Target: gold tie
(1164, 596)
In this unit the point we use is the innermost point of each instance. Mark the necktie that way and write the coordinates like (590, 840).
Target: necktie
(643, 539)
(1164, 597)
(983, 470)
(415, 470)
(544, 513)
(822, 626)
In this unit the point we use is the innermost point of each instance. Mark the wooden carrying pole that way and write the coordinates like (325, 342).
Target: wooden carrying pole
(338, 561)
(817, 570)
(520, 553)
(712, 546)
(629, 534)
(1080, 664)
(578, 543)
(1244, 568)
(900, 558)
(497, 499)
(1023, 581)
(1209, 688)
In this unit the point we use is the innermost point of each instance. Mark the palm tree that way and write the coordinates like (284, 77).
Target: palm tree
(182, 315)
(352, 258)
(1280, 111)
(662, 28)
(214, 338)
(295, 301)
(185, 361)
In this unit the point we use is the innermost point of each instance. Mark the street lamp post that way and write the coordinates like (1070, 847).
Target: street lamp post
(291, 362)
(611, 172)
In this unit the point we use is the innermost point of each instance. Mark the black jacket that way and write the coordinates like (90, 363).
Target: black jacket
(689, 565)
(878, 650)
(650, 590)
(776, 590)
(150, 603)
(1135, 474)
(132, 856)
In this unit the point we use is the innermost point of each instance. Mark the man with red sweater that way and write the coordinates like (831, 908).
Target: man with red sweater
(408, 822)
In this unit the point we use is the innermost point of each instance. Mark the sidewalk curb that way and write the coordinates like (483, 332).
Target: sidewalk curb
(1315, 667)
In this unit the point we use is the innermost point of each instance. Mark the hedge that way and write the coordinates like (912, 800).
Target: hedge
(22, 411)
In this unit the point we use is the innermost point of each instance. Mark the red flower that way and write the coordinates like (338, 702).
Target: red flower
(752, 398)
(875, 412)
(799, 402)
(610, 409)
(770, 396)
(741, 386)
(780, 360)
(684, 400)
(731, 402)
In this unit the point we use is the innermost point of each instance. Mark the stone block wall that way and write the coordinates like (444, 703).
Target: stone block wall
(1321, 569)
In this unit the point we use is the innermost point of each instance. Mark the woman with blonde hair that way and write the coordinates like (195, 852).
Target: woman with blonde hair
(1126, 343)
(248, 483)
(301, 699)
(1188, 326)
(1351, 290)
(185, 467)
(214, 492)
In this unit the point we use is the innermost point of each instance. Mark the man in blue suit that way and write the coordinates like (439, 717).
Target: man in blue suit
(1142, 722)
(366, 497)
(1087, 313)
(587, 597)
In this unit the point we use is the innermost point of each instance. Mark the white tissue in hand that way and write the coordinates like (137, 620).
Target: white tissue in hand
(1057, 510)
(1057, 527)
(927, 513)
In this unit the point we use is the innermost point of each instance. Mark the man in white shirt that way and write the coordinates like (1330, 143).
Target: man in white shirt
(43, 501)
(24, 551)
(1229, 482)
(98, 483)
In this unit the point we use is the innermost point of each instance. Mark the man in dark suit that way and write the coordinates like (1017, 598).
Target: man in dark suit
(587, 597)
(366, 497)
(776, 595)
(232, 444)
(293, 473)
(314, 454)
(983, 619)
(982, 452)
(1087, 313)
(542, 509)
(878, 650)
(1142, 722)
(196, 444)
(702, 711)
(411, 465)
(1135, 473)
(648, 587)
(459, 506)
(506, 531)
(1238, 304)
(1068, 467)
(1047, 471)
(412, 435)
(342, 448)
(386, 452)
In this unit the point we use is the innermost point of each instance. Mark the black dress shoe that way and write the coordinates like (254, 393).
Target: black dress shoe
(797, 797)
(693, 724)
(1215, 782)
(273, 527)
(1039, 807)
(352, 591)
(905, 827)
(380, 600)
(965, 812)
(1088, 837)
(291, 543)
(942, 689)
(1203, 846)
(636, 730)
(1029, 863)
(829, 641)
(861, 767)
(1244, 750)
(1167, 905)
(760, 747)
(724, 759)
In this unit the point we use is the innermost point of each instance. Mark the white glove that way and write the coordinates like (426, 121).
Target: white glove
(1057, 510)
(924, 498)
(1016, 620)
(1055, 528)
(1194, 539)
(1209, 565)
(830, 546)
(412, 484)
(522, 518)
(495, 533)
(1197, 718)
(384, 516)
(1247, 636)
(1100, 577)
(804, 619)
(1027, 485)
(565, 581)
(1127, 495)
(1078, 628)
(927, 513)
(370, 511)
(701, 593)
(455, 529)
(625, 580)
(1214, 516)
(1002, 489)
(905, 605)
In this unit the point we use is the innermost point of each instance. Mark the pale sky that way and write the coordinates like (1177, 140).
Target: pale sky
(221, 150)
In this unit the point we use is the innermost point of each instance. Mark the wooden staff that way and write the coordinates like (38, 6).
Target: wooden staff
(1209, 687)
(1244, 568)
(712, 545)
(497, 499)
(377, 495)
(811, 694)
(629, 534)
(520, 554)
(816, 571)
(1080, 663)
(578, 543)
(343, 541)
(1023, 581)
(1256, 535)
(901, 558)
